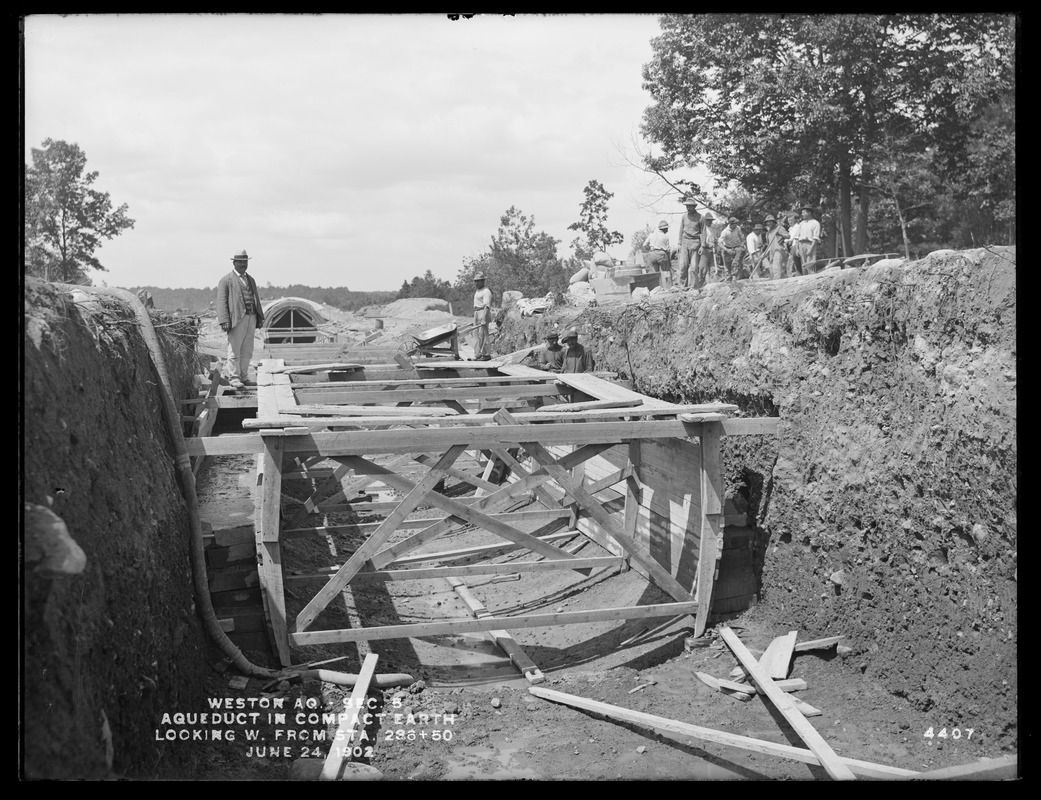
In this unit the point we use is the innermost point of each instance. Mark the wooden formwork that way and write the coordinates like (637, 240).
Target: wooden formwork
(638, 475)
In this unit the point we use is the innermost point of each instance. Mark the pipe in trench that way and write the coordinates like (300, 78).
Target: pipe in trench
(203, 601)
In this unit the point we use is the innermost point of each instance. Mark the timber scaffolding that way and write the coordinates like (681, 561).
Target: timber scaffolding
(641, 477)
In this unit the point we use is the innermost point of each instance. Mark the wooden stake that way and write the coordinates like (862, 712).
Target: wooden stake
(343, 741)
(827, 757)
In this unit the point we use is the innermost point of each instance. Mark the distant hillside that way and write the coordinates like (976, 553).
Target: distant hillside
(198, 301)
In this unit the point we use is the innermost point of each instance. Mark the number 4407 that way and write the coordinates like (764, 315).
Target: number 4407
(955, 733)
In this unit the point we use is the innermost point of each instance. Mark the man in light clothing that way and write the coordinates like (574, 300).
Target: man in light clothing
(776, 239)
(809, 236)
(709, 245)
(691, 231)
(660, 253)
(754, 245)
(482, 317)
(239, 314)
(732, 244)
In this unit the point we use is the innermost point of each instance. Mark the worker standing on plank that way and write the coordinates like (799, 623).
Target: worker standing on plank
(576, 358)
(239, 314)
(482, 317)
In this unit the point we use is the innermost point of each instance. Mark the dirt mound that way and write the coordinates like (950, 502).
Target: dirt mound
(410, 307)
(886, 504)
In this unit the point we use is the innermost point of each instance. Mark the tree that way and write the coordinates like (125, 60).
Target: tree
(794, 107)
(593, 223)
(65, 217)
(519, 259)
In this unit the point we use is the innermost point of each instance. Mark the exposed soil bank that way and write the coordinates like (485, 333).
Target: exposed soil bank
(107, 650)
(886, 504)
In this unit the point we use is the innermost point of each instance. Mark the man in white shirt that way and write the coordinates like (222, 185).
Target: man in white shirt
(792, 245)
(482, 317)
(754, 246)
(809, 236)
(660, 253)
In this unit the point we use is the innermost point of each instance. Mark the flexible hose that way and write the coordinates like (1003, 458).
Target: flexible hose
(203, 602)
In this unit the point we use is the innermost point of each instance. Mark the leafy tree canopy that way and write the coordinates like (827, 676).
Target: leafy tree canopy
(65, 217)
(592, 224)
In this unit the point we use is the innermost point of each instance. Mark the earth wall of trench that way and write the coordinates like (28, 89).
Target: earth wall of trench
(886, 506)
(108, 650)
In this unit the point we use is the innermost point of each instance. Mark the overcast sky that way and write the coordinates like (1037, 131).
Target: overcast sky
(341, 150)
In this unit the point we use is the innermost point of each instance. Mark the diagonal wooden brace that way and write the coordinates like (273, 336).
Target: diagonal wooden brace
(589, 504)
(379, 536)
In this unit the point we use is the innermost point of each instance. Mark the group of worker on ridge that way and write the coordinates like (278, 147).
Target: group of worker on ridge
(771, 249)
(240, 313)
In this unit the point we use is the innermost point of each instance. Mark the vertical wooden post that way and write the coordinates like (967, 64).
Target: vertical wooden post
(632, 493)
(711, 545)
(266, 513)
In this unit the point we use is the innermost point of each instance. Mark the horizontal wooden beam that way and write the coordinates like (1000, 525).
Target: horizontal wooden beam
(420, 629)
(591, 562)
(348, 395)
(476, 380)
(479, 550)
(516, 517)
(483, 436)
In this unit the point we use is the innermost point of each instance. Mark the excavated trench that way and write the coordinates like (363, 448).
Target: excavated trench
(884, 509)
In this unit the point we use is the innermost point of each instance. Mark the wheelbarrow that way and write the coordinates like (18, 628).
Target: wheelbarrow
(440, 341)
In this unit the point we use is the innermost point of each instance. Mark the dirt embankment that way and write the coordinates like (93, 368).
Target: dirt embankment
(886, 504)
(106, 651)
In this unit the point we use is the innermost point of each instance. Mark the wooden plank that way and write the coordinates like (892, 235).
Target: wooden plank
(430, 395)
(590, 562)
(267, 503)
(312, 368)
(591, 506)
(710, 546)
(503, 639)
(368, 527)
(484, 550)
(865, 768)
(735, 690)
(817, 644)
(778, 656)
(316, 409)
(419, 629)
(436, 439)
(377, 539)
(591, 405)
(829, 760)
(436, 382)
(343, 741)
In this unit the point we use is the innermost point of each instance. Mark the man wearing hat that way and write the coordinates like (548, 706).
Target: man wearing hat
(732, 244)
(553, 354)
(482, 317)
(809, 236)
(709, 249)
(239, 314)
(775, 247)
(691, 235)
(576, 358)
(660, 257)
